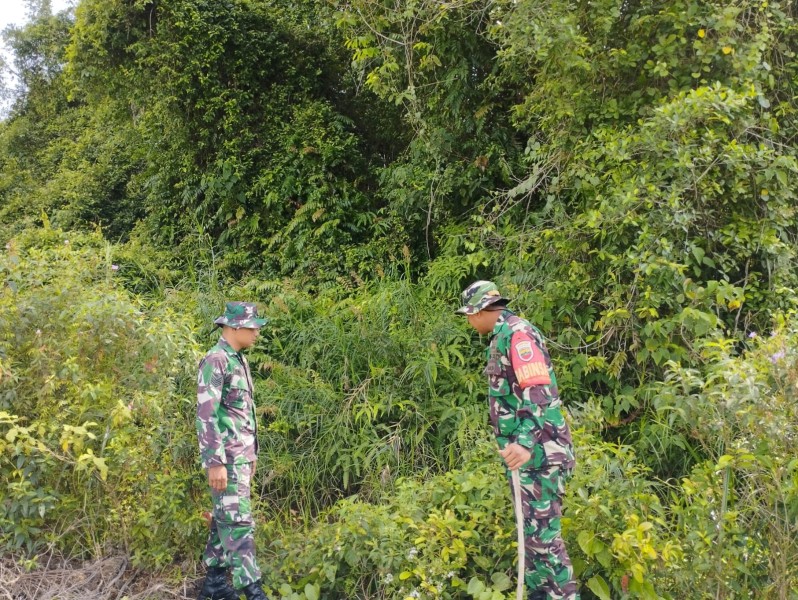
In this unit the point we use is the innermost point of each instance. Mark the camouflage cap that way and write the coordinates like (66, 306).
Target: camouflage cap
(479, 295)
(241, 314)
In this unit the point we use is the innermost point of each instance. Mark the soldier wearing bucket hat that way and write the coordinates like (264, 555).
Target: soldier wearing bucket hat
(240, 314)
(533, 437)
(479, 295)
(228, 441)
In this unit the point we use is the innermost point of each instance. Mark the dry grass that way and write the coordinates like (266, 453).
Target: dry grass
(106, 579)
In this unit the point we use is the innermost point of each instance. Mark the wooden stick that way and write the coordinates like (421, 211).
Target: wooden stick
(519, 524)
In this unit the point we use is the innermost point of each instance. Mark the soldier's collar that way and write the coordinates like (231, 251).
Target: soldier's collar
(225, 345)
(500, 321)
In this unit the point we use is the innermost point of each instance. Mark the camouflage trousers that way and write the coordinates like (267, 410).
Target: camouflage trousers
(231, 542)
(548, 573)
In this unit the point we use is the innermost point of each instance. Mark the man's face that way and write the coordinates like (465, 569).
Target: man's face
(484, 321)
(245, 337)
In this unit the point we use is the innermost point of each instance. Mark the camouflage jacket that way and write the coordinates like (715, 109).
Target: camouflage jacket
(525, 406)
(226, 425)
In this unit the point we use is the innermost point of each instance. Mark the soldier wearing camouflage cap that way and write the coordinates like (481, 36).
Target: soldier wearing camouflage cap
(533, 437)
(228, 441)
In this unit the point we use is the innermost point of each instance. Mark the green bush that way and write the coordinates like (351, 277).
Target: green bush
(364, 386)
(97, 445)
(453, 535)
(737, 511)
(430, 536)
(373, 444)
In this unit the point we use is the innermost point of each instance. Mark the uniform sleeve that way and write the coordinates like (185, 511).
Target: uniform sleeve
(528, 360)
(532, 373)
(209, 398)
(531, 423)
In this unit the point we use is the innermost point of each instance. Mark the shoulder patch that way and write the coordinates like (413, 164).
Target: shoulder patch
(524, 350)
(528, 361)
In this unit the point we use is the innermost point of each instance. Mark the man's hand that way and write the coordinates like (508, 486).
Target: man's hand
(217, 477)
(515, 455)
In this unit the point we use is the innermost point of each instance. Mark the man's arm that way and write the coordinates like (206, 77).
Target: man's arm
(210, 381)
(530, 364)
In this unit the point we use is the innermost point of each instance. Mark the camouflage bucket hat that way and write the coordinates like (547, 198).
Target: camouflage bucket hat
(241, 314)
(479, 295)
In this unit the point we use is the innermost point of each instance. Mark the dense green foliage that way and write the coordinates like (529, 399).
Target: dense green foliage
(93, 397)
(625, 169)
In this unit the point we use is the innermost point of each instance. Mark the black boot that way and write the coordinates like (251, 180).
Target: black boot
(254, 592)
(216, 586)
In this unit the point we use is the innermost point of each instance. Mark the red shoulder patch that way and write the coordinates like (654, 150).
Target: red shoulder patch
(529, 363)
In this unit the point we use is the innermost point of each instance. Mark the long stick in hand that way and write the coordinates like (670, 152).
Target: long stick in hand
(519, 525)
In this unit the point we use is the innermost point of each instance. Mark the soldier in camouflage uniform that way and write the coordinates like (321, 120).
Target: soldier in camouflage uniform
(532, 434)
(228, 441)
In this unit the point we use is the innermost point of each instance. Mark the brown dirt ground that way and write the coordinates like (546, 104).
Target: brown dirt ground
(110, 578)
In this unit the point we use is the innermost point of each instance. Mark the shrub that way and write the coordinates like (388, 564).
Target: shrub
(97, 438)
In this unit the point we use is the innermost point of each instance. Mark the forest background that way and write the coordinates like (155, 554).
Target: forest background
(624, 169)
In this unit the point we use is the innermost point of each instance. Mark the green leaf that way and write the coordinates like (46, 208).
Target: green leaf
(583, 539)
(698, 253)
(312, 591)
(475, 586)
(501, 581)
(598, 586)
(644, 590)
(605, 558)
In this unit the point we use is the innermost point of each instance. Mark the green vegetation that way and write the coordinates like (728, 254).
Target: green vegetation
(624, 169)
